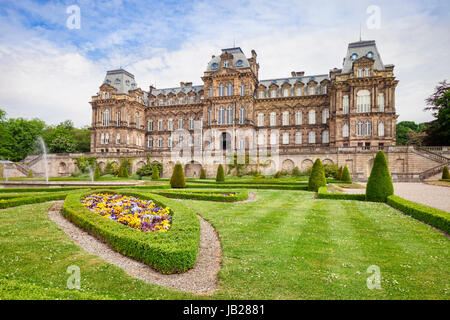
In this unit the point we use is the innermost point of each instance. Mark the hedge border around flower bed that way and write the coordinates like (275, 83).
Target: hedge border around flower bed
(19, 201)
(324, 194)
(47, 189)
(208, 195)
(168, 252)
(248, 186)
(261, 182)
(434, 217)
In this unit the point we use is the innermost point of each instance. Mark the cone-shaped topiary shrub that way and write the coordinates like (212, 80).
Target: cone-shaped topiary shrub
(155, 173)
(220, 177)
(317, 177)
(339, 174)
(379, 186)
(177, 180)
(203, 174)
(445, 173)
(31, 175)
(345, 176)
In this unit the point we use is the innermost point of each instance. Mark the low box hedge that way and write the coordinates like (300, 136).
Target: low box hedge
(48, 189)
(250, 182)
(445, 180)
(18, 201)
(250, 186)
(434, 217)
(208, 195)
(324, 194)
(174, 251)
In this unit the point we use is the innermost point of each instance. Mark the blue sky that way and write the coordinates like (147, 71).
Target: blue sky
(51, 71)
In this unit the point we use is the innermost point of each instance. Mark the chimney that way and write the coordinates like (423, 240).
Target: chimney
(254, 54)
(185, 84)
(150, 89)
(297, 74)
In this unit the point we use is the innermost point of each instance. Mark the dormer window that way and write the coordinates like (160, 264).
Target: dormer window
(360, 72)
(117, 81)
(354, 57)
(370, 55)
(127, 82)
(367, 72)
(108, 81)
(239, 63)
(214, 66)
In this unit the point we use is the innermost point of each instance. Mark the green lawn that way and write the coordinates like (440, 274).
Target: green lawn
(284, 245)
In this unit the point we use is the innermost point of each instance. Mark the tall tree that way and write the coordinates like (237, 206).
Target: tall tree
(438, 131)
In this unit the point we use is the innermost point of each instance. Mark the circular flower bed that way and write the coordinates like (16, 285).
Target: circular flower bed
(143, 215)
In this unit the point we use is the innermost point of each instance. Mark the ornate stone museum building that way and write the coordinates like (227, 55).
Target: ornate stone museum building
(348, 107)
(343, 117)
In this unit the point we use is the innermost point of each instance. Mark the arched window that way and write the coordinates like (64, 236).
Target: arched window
(345, 130)
(381, 129)
(229, 89)
(298, 91)
(170, 124)
(221, 90)
(137, 120)
(312, 137)
(273, 118)
(298, 117)
(102, 138)
(273, 93)
(325, 136)
(368, 128)
(285, 118)
(118, 138)
(363, 101)
(360, 128)
(261, 94)
(298, 138)
(312, 90)
(324, 89)
(367, 72)
(210, 90)
(325, 115)
(106, 138)
(285, 138)
(242, 115)
(312, 117)
(242, 89)
(286, 92)
(105, 117)
(230, 115)
(209, 119)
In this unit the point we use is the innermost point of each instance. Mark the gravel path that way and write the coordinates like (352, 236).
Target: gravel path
(200, 279)
(429, 195)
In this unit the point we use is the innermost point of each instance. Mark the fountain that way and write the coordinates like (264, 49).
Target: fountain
(44, 153)
(5, 172)
(91, 173)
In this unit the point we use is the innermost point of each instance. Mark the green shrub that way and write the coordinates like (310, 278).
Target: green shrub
(203, 174)
(97, 173)
(249, 186)
(220, 177)
(317, 178)
(30, 174)
(437, 218)
(324, 194)
(331, 170)
(84, 163)
(155, 173)
(174, 251)
(111, 168)
(177, 180)
(339, 174)
(296, 172)
(124, 168)
(445, 173)
(345, 177)
(379, 186)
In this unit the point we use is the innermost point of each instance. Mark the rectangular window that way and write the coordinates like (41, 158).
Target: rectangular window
(298, 117)
(170, 125)
(191, 124)
(286, 138)
(345, 104)
(261, 119)
(160, 143)
(160, 125)
(285, 118)
(381, 102)
(150, 125)
(261, 94)
(150, 143)
(273, 119)
(298, 138)
(242, 143)
(180, 123)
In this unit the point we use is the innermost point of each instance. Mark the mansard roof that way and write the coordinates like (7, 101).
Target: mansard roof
(293, 80)
(360, 49)
(177, 90)
(120, 79)
(239, 59)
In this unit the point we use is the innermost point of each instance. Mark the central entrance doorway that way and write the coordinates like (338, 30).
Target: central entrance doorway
(225, 141)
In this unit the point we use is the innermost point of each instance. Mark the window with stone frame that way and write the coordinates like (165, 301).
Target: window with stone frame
(285, 118)
(260, 119)
(298, 138)
(273, 119)
(298, 117)
(312, 117)
(311, 137)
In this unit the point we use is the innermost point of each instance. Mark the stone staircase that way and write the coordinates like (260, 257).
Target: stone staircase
(433, 171)
(431, 155)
